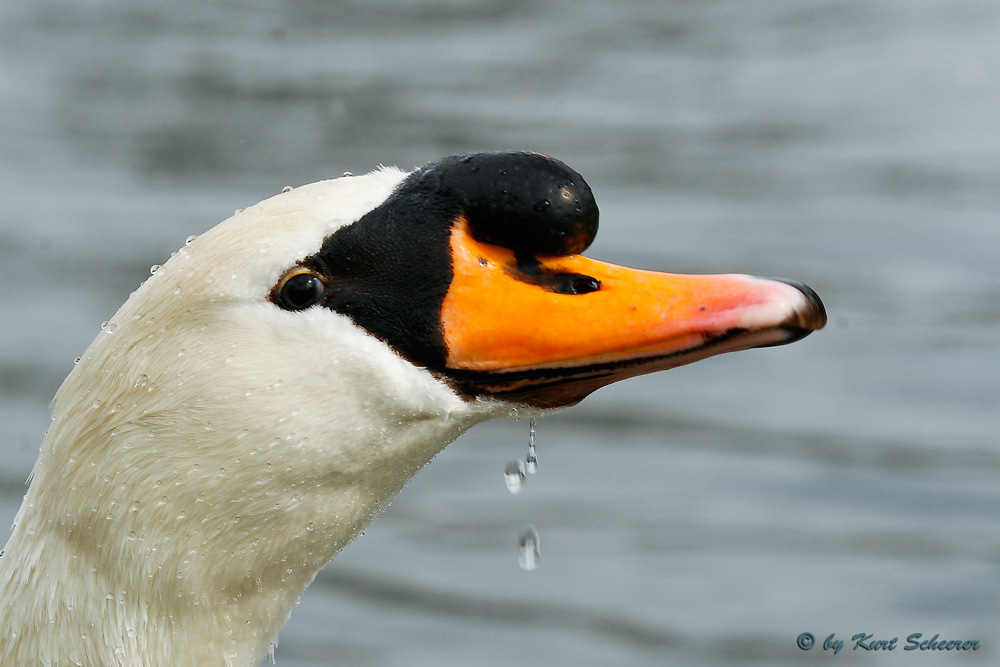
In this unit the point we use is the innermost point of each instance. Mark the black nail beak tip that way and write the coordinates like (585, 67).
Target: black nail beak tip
(808, 318)
(812, 316)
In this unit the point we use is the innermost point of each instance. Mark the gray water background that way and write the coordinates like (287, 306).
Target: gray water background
(702, 516)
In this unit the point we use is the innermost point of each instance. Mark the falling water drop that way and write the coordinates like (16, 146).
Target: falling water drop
(531, 463)
(154, 268)
(528, 553)
(513, 474)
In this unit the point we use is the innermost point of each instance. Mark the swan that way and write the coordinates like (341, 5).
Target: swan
(268, 390)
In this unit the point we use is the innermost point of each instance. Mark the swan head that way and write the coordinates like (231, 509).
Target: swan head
(270, 388)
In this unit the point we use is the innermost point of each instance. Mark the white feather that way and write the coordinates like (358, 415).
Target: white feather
(210, 452)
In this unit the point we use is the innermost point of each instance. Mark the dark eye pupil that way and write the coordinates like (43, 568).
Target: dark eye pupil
(301, 291)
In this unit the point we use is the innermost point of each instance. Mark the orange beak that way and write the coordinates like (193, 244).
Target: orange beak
(515, 329)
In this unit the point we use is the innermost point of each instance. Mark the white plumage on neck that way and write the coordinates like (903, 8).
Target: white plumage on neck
(210, 452)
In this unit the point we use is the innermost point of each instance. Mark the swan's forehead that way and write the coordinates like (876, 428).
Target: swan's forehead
(249, 251)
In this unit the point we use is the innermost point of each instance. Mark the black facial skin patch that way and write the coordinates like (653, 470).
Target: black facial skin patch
(390, 271)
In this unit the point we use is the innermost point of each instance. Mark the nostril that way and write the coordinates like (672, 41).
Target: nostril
(574, 283)
(586, 284)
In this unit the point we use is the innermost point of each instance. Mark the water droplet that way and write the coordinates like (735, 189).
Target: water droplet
(104, 325)
(347, 173)
(541, 205)
(142, 381)
(513, 413)
(189, 239)
(287, 188)
(135, 506)
(76, 361)
(513, 474)
(238, 211)
(528, 553)
(154, 268)
(111, 328)
(230, 359)
(531, 463)
(96, 403)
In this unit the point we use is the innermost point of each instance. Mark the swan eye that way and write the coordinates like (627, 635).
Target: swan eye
(300, 291)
